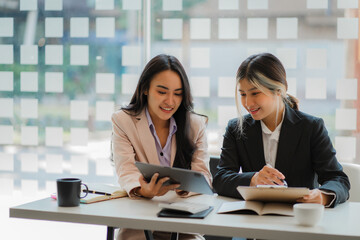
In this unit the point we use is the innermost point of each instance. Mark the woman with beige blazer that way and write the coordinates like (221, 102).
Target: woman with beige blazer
(158, 127)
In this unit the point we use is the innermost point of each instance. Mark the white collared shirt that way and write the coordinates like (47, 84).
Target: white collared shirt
(270, 141)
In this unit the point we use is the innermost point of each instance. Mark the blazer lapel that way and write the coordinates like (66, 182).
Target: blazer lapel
(254, 144)
(146, 138)
(288, 140)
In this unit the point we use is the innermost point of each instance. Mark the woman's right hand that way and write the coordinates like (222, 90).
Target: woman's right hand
(154, 187)
(267, 176)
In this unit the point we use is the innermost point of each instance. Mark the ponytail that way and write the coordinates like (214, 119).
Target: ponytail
(292, 101)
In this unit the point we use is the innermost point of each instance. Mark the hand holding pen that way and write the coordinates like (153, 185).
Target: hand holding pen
(268, 176)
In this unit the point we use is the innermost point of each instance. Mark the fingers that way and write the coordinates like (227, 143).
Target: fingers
(313, 197)
(269, 176)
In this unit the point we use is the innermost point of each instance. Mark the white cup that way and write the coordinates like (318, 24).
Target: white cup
(308, 214)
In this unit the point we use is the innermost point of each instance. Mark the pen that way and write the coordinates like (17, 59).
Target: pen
(282, 180)
(97, 192)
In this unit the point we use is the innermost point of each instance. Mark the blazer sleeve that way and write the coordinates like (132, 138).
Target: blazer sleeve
(330, 173)
(123, 153)
(227, 177)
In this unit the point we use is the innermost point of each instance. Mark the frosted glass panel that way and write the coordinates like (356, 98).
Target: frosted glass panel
(53, 5)
(29, 162)
(226, 87)
(54, 163)
(7, 27)
(131, 4)
(29, 54)
(286, 28)
(105, 83)
(79, 27)
(54, 82)
(53, 27)
(228, 28)
(345, 148)
(6, 81)
(6, 162)
(54, 136)
(200, 86)
(79, 110)
(79, 165)
(29, 81)
(347, 4)
(317, 4)
(225, 113)
(129, 83)
(79, 55)
(200, 28)
(131, 56)
(28, 5)
(105, 27)
(288, 57)
(258, 4)
(29, 187)
(104, 4)
(346, 89)
(53, 54)
(345, 119)
(7, 56)
(29, 108)
(7, 133)
(257, 28)
(348, 28)
(104, 110)
(7, 107)
(315, 88)
(228, 4)
(172, 28)
(292, 89)
(200, 57)
(7, 186)
(29, 135)
(79, 136)
(172, 5)
(316, 58)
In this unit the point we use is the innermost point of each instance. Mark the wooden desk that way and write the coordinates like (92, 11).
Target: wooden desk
(340, 223)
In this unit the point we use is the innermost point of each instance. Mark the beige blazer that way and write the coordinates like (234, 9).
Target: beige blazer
(132, 141)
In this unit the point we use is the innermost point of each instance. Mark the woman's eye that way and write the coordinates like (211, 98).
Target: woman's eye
(160, 92)
(255, 93)
(242, 94)
(178, 94)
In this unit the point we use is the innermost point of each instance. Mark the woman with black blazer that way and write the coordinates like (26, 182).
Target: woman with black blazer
(276, 143)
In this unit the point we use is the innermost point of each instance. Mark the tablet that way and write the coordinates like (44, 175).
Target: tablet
(189, 180)
(272, 194)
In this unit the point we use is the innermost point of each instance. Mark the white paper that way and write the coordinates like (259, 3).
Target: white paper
(315, 88)
(228, 4)
(29, 81)
(131, 56)
(79, 27)
(29, 54)
(345, 148)
(172, 5)
(29, 187)
(258, 4)
(200, 86)
(105, 27)
(54, 163)
(104, 110)
(226, 87)
(345, 119)
(346, 89)
(200, 28)
(7, 108)
(7, 186)
(257, 28)
(7, 162)
(28, 5)
(79, 136)
(288, 57)
(7, 56)
(54, 27)
(292, 88)
(29, 108)
(105, 83)
(343, 4)
(79, 165)
(317, 4)
(316, 58)
(200, 57)
(7, 27)
(29, 135)
(79, 55)
(172, 28)
(54, 54)
(54, 82)
(104, 4)
(54, 136)
(6, 81)
(129, 83)
(131, 4)
(53, 5)
(228, 28)
(7, 133)
(29, 162)
(347, 28)
(287, 28)
(225, 113)
(79, 110)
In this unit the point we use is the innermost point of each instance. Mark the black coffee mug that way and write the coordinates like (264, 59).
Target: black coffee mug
(68, 192)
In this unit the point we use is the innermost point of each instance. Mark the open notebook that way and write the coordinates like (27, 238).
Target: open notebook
(103, 192)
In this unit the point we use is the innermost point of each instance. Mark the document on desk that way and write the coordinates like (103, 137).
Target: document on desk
(272, 194)
(259, 208)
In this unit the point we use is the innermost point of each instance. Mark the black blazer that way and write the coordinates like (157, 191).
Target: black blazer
(305, 156)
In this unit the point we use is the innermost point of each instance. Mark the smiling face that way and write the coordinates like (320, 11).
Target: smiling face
(164, 96)
(262, 105)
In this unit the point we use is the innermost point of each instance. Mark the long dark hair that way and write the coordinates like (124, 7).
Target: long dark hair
(185, 148)
(264, 70)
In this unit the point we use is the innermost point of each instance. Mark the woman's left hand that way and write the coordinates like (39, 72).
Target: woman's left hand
(315, 196)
